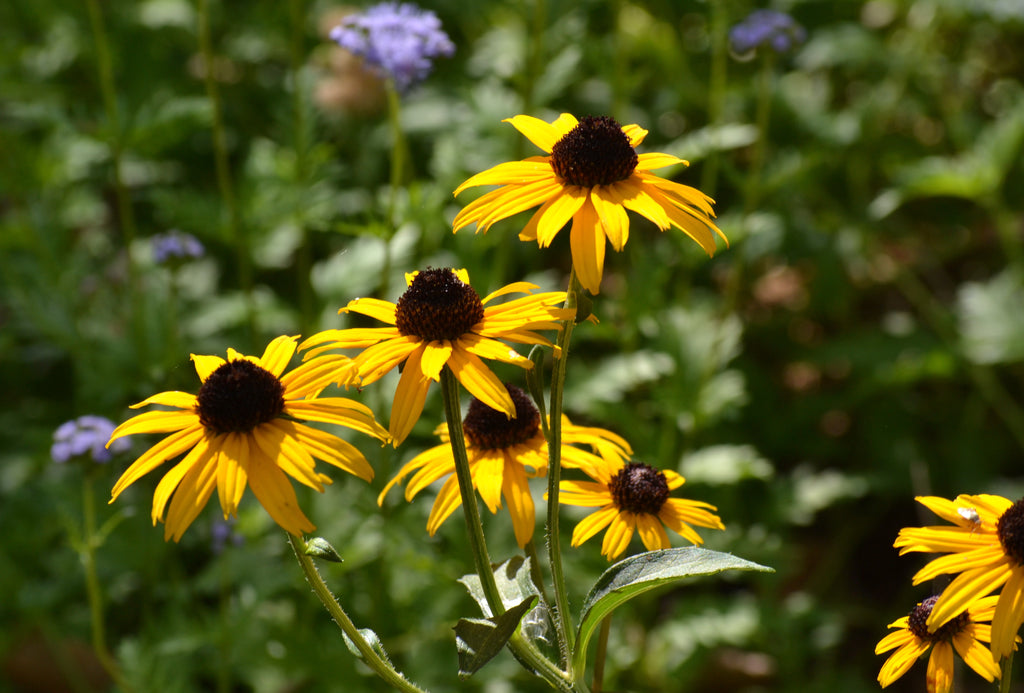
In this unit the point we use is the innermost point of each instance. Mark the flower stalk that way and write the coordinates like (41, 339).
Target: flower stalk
(380, 666)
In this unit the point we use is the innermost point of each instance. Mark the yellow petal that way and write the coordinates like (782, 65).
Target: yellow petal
(592, 524)
(901, 660)
(201, 455)
(488, 474)
(481, 382)
(1008, 616)
(620, 531)
(372, 307)
(171, 446)
(939, 678)
(231, 477)
(331, 449)
(653, 160)
(543, 135)
(278, 353)
(410, 396)
(587, 241)
(510, 173)
(379, 359)
(275, 493)
(448, 499)
(555, 214)
(651, 532)
(493, 350)
(156, 422)
(340, 411)
(519, 198)
(435, 356)
(613, 216)
(977, 656)
(190, 498)
(206, 365)
(274, 444)
(181, 400)
(514, 287)
(515, 487)
(635, 133)
(964, 590)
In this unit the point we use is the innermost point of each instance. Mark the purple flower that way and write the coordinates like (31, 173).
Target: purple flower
(174, 246)
(399, 39)
(223, 532)
(766, 28)
(86, 435)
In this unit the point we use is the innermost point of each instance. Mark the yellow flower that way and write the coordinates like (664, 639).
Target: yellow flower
(592, 177)
(244, 427)
(635, 497)
(966, 632)
(438, 321)
(986, 547)
(503, 455)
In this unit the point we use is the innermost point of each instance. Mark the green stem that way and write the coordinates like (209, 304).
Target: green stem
(380, 666)
(398, 159)
(87, 554)
(602, 651)
(477, 542)
(224, 182)
(563, 618)
(1007, 668)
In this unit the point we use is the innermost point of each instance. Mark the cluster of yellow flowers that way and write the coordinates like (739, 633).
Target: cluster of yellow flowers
(985, 550)
(250, 422)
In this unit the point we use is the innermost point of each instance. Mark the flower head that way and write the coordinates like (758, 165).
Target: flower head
(592, 176)
(175, 246)
(400, 39)
(771, 28)
(986, 547)
(635, 497)
(965, 632)
(246, 427)
(503, 455)
(441, 321)
(86, 435)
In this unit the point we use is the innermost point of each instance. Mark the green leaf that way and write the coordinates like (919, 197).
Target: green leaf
(514, 584)
(479, 640)
(372, 640)
(638, 574)
(318, 547)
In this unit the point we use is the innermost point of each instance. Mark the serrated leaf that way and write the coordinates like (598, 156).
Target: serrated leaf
(479, 640)
(318, 547)
(638, 574)
(372, 640)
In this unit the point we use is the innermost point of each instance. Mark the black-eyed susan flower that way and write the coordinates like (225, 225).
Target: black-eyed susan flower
(986, 547)
(504, 454)
(592, 176)
(245, 428)
(634, 497)
(966, 632)
(440, 321)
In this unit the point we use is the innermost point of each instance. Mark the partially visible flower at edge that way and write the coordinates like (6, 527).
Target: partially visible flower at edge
(635, 497)
(771, 28)
(86, 435)
(966, 632)
(440, 321)
(503, 455)
(174, 246)
(592, 177)
(245, 427)
(400, 39)
(986, 547)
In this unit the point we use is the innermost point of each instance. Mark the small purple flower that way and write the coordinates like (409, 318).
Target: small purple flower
(86, 435)
(766, 28)
(222, 532)
(400, 39)
(174, 246)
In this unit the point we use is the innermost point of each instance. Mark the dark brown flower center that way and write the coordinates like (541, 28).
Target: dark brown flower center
(438, 305)
(490, 429)
(595, 152)
(1010, 530)
(919, 622)
(239, 396)
(639, 488)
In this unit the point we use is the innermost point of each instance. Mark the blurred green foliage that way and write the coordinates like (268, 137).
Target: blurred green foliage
(860, 342)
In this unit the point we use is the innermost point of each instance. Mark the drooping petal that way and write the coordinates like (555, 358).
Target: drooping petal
(614, 219)
(593, 523)
(515, 487)
(977, 656)
(332, 450)
(901, 660)
(939, 677)
(1009, 614)
(586, 239)
(554, 214)
(493, 349)
(964, 590)
(191, 497)
(620, 531)
(651, 532)
(448, 499)
(435, 356)
(202, 454)
(410, 396)
(231, 477)
(488, 476)
(275, 493)
(274, 444)
(481, 382)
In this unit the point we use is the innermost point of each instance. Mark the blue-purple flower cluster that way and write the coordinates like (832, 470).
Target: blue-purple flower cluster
(399, 39)
(86, 435)
(766, 28)
(175, 246)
